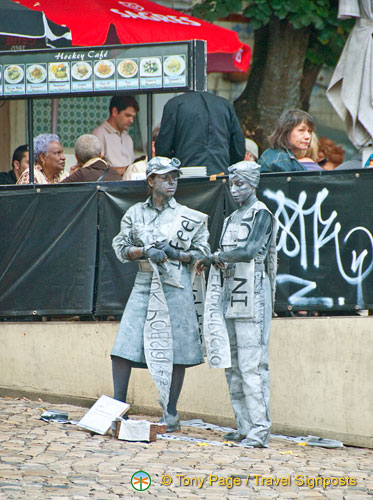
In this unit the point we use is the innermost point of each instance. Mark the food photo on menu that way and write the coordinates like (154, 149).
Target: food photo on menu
(13, 74)
(104, 69)
(36, 73)
(127, 68)
(81, 71)
(150, 66)
(174, 65)
(58, 72)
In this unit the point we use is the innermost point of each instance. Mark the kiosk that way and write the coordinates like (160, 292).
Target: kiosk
(105, 70)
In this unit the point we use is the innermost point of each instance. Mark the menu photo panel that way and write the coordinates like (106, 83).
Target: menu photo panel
(127, 74)
(14, 79)
(89, 70)
(174, 70)
(82, 76)
(104, 74)
(36, 78)
(59, 77)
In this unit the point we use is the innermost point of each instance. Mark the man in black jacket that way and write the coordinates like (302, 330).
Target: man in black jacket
(201, 129)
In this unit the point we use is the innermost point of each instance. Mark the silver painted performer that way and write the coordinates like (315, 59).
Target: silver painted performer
(159, 327)
(248, 262)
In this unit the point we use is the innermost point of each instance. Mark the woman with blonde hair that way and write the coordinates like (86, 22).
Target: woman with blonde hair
(309, 160)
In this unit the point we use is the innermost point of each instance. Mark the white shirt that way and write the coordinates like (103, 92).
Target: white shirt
(117, 147)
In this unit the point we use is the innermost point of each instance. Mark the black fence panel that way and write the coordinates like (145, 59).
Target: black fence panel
(47, 249)
(325, 239)
(51, 262)
(115, 280)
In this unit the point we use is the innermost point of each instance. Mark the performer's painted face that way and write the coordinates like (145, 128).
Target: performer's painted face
(164, 185)
(241, 191)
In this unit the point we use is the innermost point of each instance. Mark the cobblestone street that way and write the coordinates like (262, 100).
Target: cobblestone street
(46, 460)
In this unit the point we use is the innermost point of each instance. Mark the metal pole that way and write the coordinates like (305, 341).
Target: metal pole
(30, 138)
(149, 121)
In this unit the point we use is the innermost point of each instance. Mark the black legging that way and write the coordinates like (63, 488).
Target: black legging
(121, 375)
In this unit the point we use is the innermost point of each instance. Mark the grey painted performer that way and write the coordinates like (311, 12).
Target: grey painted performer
(248, 262)
(159, 327)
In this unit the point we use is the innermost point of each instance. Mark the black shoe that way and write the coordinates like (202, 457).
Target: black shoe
(234, 436)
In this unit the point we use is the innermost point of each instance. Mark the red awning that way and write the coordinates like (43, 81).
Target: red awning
(91, 21)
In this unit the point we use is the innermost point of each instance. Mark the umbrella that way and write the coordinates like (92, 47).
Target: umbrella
(350, 89)
(22, 28)
(96, 22)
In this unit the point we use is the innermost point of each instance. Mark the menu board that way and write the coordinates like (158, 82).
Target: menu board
(136, 68)
(14, 79)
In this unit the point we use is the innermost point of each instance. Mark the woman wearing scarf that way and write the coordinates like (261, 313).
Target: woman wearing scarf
(159, 326)
(247, 259)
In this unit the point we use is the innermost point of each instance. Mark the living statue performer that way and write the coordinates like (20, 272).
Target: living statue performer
(247, 261)
(159, 327)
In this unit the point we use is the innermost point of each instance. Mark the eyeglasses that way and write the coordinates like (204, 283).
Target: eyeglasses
(159, 162)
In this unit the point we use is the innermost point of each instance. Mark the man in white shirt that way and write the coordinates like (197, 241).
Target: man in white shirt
(117, 145)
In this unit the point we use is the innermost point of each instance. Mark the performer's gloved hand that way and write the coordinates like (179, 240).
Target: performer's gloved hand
(216, 258)
(155, 255)
(201, 264)
(172, 253)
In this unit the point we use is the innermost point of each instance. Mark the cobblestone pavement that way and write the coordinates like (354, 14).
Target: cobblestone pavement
(40, 460)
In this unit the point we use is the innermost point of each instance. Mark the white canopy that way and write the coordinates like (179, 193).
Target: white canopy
(351, 87)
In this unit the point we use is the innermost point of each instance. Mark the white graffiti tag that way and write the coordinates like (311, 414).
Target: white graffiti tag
(294, 241)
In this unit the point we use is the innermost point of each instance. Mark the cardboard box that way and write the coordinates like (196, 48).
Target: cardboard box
(137, 430)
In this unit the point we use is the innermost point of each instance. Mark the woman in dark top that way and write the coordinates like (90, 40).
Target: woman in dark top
(290, 140)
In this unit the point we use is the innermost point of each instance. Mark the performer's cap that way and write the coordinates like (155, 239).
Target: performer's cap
(252, 147)
(161, 165)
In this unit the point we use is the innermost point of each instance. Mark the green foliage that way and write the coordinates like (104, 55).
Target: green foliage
(328, 34)
(210, 10)
(325, 46)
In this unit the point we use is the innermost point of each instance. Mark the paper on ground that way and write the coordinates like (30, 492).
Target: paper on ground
(99, 417)
(134, 430)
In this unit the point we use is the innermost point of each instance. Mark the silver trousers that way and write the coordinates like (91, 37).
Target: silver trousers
(248, 377)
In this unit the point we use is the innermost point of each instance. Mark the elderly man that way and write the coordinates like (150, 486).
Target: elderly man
(20, 162)
(91, 167)
(251, 150)
(49, 161)
(159, 327)
(117, 145)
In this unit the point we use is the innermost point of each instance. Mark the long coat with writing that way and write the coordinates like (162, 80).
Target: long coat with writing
(141, 225)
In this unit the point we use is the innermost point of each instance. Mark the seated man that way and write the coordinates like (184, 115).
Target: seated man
(20, 162)
(251, 150)
(49, 161)
(117, 145)
(91, 167)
